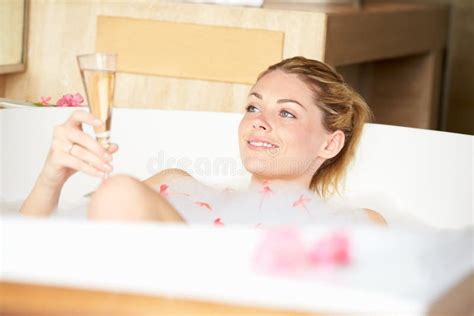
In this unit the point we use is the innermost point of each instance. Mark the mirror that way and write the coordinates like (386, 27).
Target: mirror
(13, 27)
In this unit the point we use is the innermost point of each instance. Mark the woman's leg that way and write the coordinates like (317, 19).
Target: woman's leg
(123, 197)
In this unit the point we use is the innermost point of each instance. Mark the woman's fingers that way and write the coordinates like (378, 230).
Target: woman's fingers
(61, 157)
(80, 116)
(76, 135)
(80, 151)
(66, 148)
(88, 142)
(80, 165)
(112, 149)
(84, 155)
(63, 148)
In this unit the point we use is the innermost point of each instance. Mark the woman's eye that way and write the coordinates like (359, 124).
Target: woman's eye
(286, 114)
(251, 108)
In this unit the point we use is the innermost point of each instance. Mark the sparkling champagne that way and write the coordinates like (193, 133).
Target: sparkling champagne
(99, 86)
(98, 77)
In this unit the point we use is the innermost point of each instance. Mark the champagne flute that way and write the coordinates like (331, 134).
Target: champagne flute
(98, 76)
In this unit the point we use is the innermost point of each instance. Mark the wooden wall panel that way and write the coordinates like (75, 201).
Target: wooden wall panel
(52, 69)
(2, 85)
(189, 51)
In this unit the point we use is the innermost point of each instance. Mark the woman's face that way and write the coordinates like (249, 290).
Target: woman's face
(281, 134)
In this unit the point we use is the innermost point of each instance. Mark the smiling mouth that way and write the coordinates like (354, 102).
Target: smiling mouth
(261, 145)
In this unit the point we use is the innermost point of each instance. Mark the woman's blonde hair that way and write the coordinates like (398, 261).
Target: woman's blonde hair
(343, 109)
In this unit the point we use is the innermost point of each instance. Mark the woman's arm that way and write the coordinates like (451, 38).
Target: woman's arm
(42, 200)
(71, 151)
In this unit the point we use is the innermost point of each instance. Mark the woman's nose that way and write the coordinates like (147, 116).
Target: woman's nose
(261, 124)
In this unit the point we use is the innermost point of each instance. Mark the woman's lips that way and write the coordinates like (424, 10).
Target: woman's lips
(260, 144)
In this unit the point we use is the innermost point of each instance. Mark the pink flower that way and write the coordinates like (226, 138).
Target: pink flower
(44, 100)
(331, 250)
(70, 100)
(281, 251)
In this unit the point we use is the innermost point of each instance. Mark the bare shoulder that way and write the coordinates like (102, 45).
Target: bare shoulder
(167, 175)
(375, 217)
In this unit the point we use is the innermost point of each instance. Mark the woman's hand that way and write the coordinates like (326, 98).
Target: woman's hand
(73, 150)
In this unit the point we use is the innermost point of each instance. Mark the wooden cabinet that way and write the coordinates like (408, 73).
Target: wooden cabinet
(13, 42)
(390, 53)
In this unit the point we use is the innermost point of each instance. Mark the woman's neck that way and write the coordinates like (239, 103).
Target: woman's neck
(300, 182)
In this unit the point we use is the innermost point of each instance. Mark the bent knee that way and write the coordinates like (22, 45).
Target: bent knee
(117, 184)
(118, 181)
(167, 175)
(176, 172)
(113, 195)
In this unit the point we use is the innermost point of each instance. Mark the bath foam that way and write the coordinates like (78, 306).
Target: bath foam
(269, 204)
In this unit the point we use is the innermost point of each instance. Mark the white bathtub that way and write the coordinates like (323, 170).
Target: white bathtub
(398, 171)
(426, 174)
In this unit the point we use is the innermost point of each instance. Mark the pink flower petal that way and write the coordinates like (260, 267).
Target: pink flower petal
(164, 189)
(61, 102)
(64, 101)
(331, 250)
(70, 100)
(283, 252)
(203, 204)
(78, 98)
(280, 252)
(45, 100)
(218, 222)
(302, 200)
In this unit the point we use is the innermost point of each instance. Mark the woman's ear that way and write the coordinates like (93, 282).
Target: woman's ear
(334, 144)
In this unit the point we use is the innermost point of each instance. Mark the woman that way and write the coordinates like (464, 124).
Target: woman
(301, 128)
